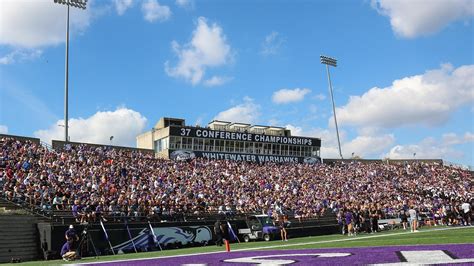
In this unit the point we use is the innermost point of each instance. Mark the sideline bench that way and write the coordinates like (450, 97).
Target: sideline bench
(389, 224)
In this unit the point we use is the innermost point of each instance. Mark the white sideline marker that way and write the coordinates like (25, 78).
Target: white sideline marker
(426, 257)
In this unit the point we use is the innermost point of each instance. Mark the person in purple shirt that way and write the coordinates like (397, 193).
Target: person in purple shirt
(68, 250)
(65, 249)
(76, 212)
(349, 219)
(99, 212)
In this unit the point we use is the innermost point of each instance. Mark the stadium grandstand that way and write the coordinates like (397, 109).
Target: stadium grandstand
(95, 187)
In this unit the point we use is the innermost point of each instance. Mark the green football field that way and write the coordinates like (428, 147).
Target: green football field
(426, 236)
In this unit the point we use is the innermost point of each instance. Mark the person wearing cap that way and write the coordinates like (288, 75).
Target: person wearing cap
(68, 251)
(71, 235)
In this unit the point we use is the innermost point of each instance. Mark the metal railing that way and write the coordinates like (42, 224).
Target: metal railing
(21, 204)
(66, 216)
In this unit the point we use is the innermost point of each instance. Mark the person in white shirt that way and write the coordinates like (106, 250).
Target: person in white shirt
(57, 203)
(466, 209)
(413, 219)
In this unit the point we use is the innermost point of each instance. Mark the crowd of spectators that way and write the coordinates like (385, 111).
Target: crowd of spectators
(92, 182)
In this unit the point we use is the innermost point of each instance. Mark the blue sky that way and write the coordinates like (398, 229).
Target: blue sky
(404, 82)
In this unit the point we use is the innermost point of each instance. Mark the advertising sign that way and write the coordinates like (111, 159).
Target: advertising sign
(257, 158)
(241, 136)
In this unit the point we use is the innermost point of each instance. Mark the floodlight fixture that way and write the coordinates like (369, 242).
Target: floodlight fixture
(326, 60)
(74, 3)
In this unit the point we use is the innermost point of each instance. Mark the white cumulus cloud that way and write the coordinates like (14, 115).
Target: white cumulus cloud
(411, 18)
(124, 124)
(122, 5)
(208, 48)
(289, 95)
(20, 56)
(297, 131)
(184, 3)
(320, 97)
(368, 145)
(431, 148)
(30, 24)
(364, 145)
(217, 81)
(450, 139)
(427, 99)
(246, 112)
(153, 11)
(272, 43)
(3, 129)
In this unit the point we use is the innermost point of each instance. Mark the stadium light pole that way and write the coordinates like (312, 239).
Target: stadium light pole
(82, 5)
(329, 61)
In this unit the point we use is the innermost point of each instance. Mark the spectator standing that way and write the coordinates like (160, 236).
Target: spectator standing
(404, 219)
(413, 219)
(219, 233)
(349, 219)
(466, 209)
(374, 220)
(366, 219)
(283, 222)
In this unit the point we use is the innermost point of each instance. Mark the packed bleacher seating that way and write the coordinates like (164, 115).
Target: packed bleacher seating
(91, 182)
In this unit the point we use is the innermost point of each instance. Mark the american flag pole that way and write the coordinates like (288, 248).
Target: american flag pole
(154, 236)
(130, 236)
(107, 236)
(232, 231)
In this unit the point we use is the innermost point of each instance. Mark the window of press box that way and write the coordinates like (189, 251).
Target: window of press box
(175, 143)
(161, 144)
(198, 144)
(187, 144)
(229, 145)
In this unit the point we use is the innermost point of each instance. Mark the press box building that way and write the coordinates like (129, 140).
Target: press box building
(171, 138)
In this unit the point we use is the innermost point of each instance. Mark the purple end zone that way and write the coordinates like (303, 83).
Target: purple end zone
(458, 254)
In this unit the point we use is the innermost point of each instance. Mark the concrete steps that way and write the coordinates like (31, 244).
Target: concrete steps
(18, 238)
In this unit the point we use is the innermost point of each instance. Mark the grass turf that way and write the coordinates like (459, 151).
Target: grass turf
(426, 236)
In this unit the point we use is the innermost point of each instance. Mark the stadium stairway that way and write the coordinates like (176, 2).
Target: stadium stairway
(18, 236)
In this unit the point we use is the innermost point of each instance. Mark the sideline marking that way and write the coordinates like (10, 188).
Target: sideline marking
(285, 245)
(263, 260)
(426, 257)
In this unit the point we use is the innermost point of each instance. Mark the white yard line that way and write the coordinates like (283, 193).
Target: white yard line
(351, 239)
(279, 246)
